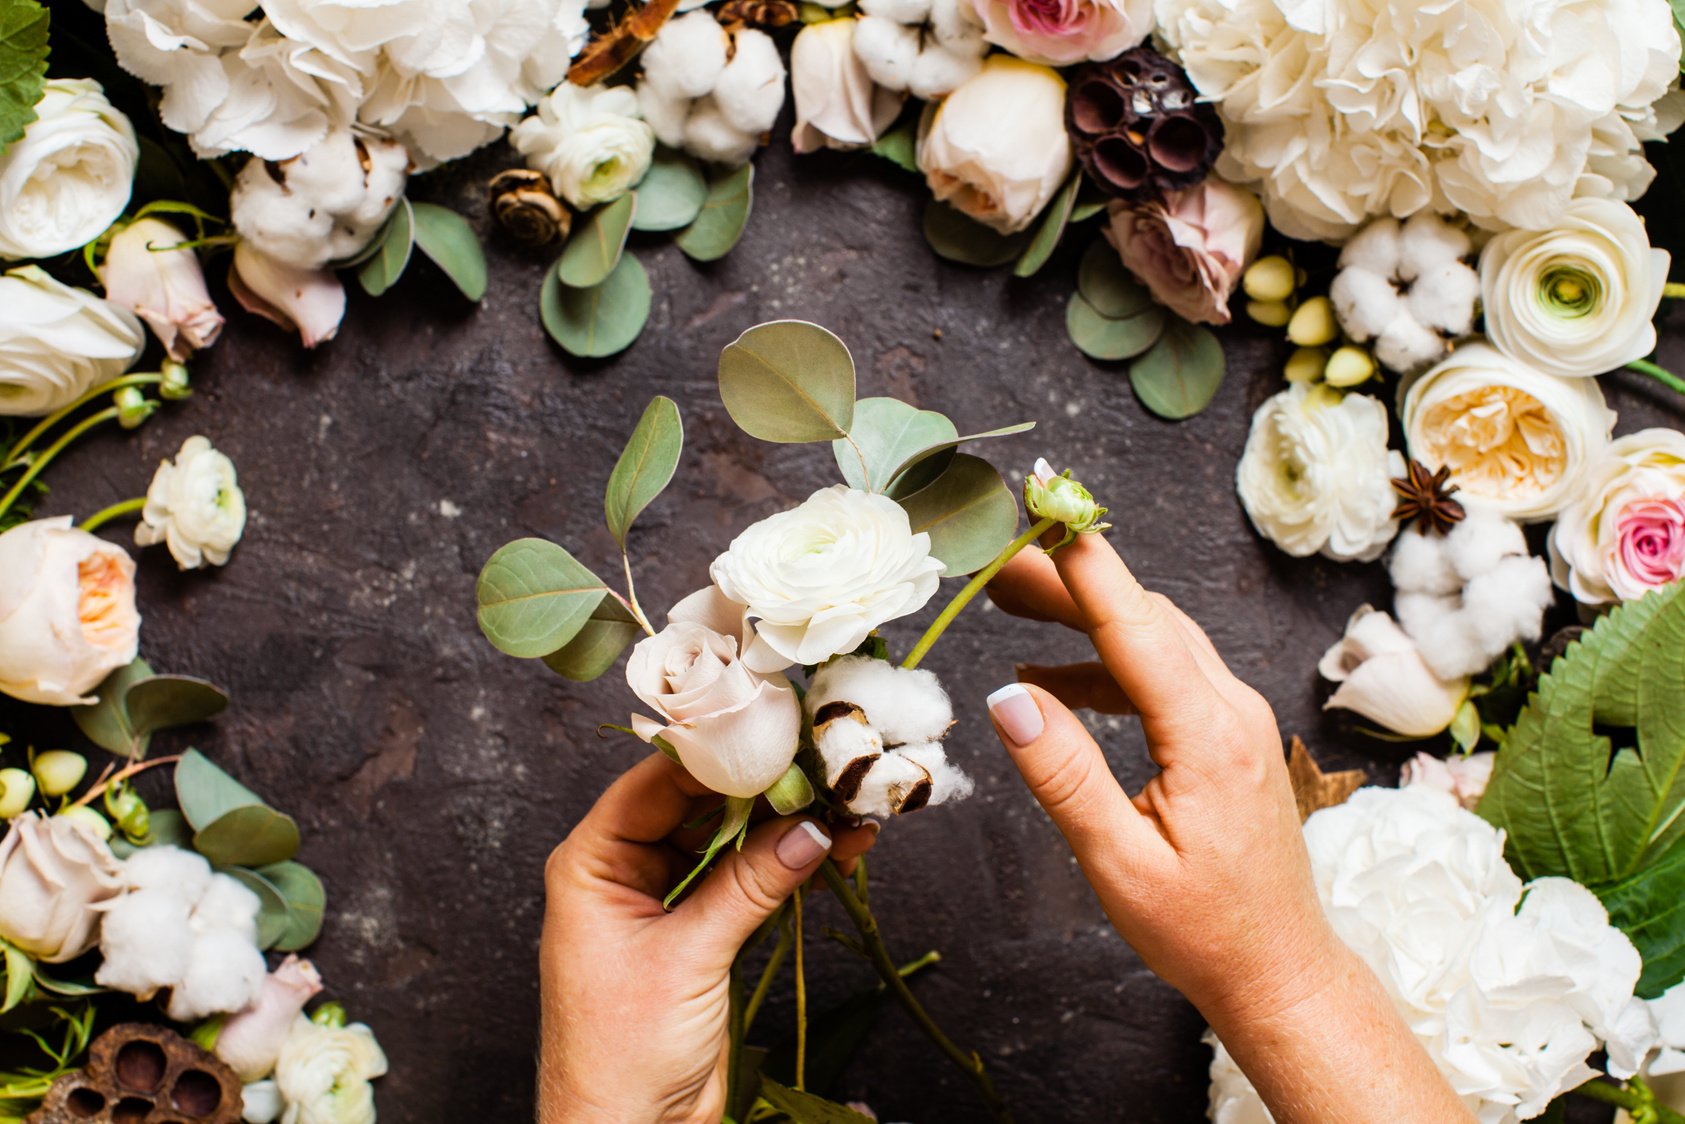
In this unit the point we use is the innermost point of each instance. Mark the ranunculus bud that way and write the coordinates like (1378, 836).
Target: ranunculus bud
(1055, 496)
(58, 771)
(176, 385)
(146, 272)
(310, 302)
(195, 505)
(251, 1039)
(53, 873)
(133, 407)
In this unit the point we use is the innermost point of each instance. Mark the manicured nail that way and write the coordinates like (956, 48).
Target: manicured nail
(1015, 711)
(802, 845)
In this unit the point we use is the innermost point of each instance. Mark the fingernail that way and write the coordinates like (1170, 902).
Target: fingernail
(802, 845)
(1015, 711)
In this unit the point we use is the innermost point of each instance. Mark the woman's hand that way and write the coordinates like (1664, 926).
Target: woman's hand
(635, 999)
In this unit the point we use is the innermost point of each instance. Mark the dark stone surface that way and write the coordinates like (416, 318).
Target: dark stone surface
(432, 775)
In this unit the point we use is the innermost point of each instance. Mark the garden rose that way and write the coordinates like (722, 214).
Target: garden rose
(250, 1041)
(1191, 247)
(1062, 32)
(324, 1073)
(837, 103)
(1578, 298)
(163, 286)
(310, 302)
(1383, 677)
(996, 149)
(1515, 438)
(67, 612)
(735, 730)
(53, 873)
(70, 176)
(1623, 534)
(820, 577)
(591, 142)
(57, 342)
(195, 505)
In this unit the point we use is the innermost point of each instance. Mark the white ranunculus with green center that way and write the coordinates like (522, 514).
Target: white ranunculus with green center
(195, 506)
(324, 1074)
(592, 143)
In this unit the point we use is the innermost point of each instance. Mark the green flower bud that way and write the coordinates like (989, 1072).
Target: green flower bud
(1270, 279)
(1313, 323)
(125, 806)
(133, 407)
(329, 1014)
(1349, 366)
(59, 770)
(1271, 314)
(1306, 364)
(1047, 496)
(176, 384)
(17, 789)
(88, 818)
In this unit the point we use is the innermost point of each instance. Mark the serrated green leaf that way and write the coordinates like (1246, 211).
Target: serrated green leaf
(254, 835)
(805, 1108)
(205, 793)
(306, 903)
(451, 244)
(598, 645)
(900, 145)
(106, 723)
(1108, 286)
(671, 193)
(1050, 230)
(724, 215)
(1649, 907)
(886, 434)
(23, 65)
(788, 381)
(969, 513)
(1179, 375)
(397, 238)
(907, 480)
(645, 467)
(273, 915)
(602, 321)
(595, 249)
(960, 239)
(1100, 337)
(534, 597)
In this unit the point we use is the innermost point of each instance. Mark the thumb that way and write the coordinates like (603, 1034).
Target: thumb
(746, 886)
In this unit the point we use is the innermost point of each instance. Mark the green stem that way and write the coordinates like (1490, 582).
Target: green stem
(890, 973)
(978, 580)
(53, 450)
(775, 962)
(1674, 289)
(1660, 374)
(1634, 1096)
(631, 599)
(801, 998)
(46, 423)
(116, 511)
(736, 1032)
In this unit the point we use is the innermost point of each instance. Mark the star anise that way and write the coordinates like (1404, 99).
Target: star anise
(1425, 497)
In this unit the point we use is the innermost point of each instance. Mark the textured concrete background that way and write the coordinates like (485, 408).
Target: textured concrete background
(432, 775)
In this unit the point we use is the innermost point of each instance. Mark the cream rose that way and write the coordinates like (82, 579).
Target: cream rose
(1624, 532)
(70, 176)
(837, 103)
(1191, 247)
(147, 273)
(195, 505)
(1579, 298)
(323, 1074)
(310, 302)
(592, 142)
(736, 731)
(67, 612)
(53, 875)
(57, 343)
(1383, 677)
(1513, 437)
(820, 577)
(1316, 475)
(996, 148)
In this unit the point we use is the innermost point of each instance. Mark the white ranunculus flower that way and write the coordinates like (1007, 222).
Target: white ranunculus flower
(323, 205)
(70, 176)
(162, 285)
(54, 873)
(820, 577)
(837, 103)
(1515, 438)
(324, 1074)
(1383, 677)
(1623, 533)
(195, 505)
(592, 143)
(67, 612)
(1578, 298)
(996, 148)
(1317, 475)
(57, 343)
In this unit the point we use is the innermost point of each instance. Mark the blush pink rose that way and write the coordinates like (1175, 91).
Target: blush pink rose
(1191, 248)
(1062, 32)
(1649, 547)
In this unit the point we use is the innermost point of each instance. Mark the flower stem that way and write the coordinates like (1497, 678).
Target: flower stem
(53, 450)
(116, 511)
(1660, 374)
(99, 789)
(631, 599)
(801, 997)
(1674, 289)
(963, 598)
(46, 423)
(1635, 1097)
(775, 962)
(890, 973)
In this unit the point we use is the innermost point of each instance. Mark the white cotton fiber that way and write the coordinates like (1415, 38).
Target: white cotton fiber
(904, 706)
(843, 742)
(957, 28)
(900, 11)
(1421, 564)
(1482, 540)
(888, 50)
(1375, 248)
(145, 942)
(709, 136)
(180, 873)
(946, 780)
(227, 907)
(1364, 303)
(225, 975)
(1508, 604)
(688, 55)
(939, 71)
(1443, 298)
(1427, 242)
(1407, 346)
(750, 91)
(666, 111)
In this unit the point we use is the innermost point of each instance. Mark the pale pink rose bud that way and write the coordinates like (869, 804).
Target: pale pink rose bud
(251, 1039)
(308, 301)
(1191, 248)
(1062, 32)
(1463, 777)
(163, 286)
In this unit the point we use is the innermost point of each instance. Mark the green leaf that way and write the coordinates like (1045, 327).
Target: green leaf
(886, 434)
(106, 723)
(599, 643)
(900, 146)
(961, 239)
(723, 216)
(20, 975)
(163, 702)
(273, 914)
(397, 239)
(1180, 375)
(23, 65)
(595, 248)
(1649, 907)
(645, 467)
(1052, 228)
(904, 473)
(733, 826)
(671, 194)
(306, 903)
(1100, 337)
(205, 793)
(788, 381)
(168, 828)
(969, 512)
(805, 1108)
(70, 989)
(254, 835)
(1108, 286)
(451, 244)
(534, 597)
(598, 322)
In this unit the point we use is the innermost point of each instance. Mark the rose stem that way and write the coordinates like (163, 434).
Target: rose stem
(1660, 374)
(890, 973)
(631, 601)
(1633, 1096)
(801, 996)
(978, 580)
(53, 450)
(116, 511)
(28, 439)
(1673, 289)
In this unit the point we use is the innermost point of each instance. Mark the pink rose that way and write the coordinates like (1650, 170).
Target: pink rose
(1062, 32)
(1649, 547)
(252, 1038)
(1463, 777)
(1191, 248)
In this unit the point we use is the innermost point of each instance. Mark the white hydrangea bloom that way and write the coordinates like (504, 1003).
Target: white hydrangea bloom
(1405, 287)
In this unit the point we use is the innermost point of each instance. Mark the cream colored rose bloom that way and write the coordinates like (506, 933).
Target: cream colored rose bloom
(1516, 438)
(1383, 677)
(57, 342)
(53, 875)
(195, 505)
(324, 1073)
(591, 142)
(1623, 534)
(70, 176)
(837, 103)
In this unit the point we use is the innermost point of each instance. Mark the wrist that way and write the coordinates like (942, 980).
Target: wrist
(1299, 977)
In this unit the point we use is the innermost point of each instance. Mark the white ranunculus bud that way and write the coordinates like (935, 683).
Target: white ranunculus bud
(58, 342)
(1383, 677)
(1623, 534)
(324, 1073)
(53, 876)
(323, 205)
(67, 612)
(162, 285)
(837, 103)
(310, 302)
(195, 505)
(1579, 298)
(70, 176)
(820, 577)
(591, 142)
(996, 148)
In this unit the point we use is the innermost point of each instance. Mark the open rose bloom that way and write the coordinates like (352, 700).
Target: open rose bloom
(1624, 534)
(1062, 32)
(1191, 247)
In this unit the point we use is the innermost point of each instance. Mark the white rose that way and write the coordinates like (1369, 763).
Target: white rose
(67, 612)
(1623, 534)
(195, 505)
(323, 205)
(310, 302)
(735, 731)
(1579, 298)
(1317, 475)
(1515, 438)
(1383, 677)
(592, 143)
(54, 873)
(57, 343)
(820, 577)
(163, 286)
(837, 103)
(996, 148)
(324, 1073)
(70, 176)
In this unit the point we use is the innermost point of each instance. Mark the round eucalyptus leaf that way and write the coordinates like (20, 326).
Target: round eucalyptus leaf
(451, 244)
(205, 793)
(595, 248)
(273, 915)
(250, 836)
(904, 471)
(106, 723)
(788, 381)
(163, 702)
(600, 321)
(1052, 228)
(724, 214)
(1108, 286)
(306, 902)
(671, 193)
(598, 645)
(969, 513)
(382, 270)
(961, 239)
(1100, 337)
(645, 466)
(1180, 374)
(886, 433)
(534, 597)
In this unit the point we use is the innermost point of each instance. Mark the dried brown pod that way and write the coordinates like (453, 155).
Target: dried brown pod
(523, 204)
(1139, 128)
(621, 42)
(143, 1074)
(1424, 498)
(735, 15)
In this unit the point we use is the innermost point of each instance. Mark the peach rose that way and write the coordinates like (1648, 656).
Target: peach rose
(1190, 248)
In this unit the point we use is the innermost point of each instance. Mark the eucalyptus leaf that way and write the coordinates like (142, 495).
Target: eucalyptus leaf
(671, 193)
(1108, 286)
(645, 467)
(167, 827)
(451, 244)
(1180, 374)
(788, 381)
(887, 433)
(723, 217)
(306, 903)
(805, 1108)
(273, 915)
(163, 702)
(595, 248)
(1052, 228)
(969, 513)
(599, 643)
(906, 467)
(598, 322)
(383, 268)
(205, 793)
(1100, 337)
(254, 835)
(534, 597)
(106, 723)
(964, 240)
(900, 145)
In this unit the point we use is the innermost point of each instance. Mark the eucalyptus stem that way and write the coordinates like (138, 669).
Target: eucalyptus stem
(1674, 289)
(774, 962)
(801, 996)
(1660, 374)
(116, 511)
(53, 450)
(1635, 1097)
(631, 598)
(890, 973)
(23, 443)
(978, 580)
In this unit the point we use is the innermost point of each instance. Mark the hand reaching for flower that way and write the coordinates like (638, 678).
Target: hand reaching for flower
(635, 998)
(1204, 871)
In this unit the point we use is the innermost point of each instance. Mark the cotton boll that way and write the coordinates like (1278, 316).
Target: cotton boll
(709, 136)
(1420, 563)
(1407, 346)
(1364, 302)
(1443, 298)
(227, 907)
(1376, 248)
(179, 873)
(1421, 614)
(1483, 539)
(891, 786)
(938, 71)
(226, 974)
(905, 706)
(750, 91)
(665, 111)
(285, 225)
(947, 782)
(957, 28)
(1508, 603)
(900, 11)
(145, 943)
(844, 740)
(1427, 242)
(888, 50)
(688, 55)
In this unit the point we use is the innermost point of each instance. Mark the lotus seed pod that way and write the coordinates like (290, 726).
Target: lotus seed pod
(59, 770)
(1270, 279)
(1313, 324)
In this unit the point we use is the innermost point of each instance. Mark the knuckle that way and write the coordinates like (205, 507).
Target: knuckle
(557, 866)
(752, 885)
(1065, 791)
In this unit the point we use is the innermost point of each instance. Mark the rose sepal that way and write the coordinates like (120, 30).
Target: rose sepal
(734, 826)
(791, 793)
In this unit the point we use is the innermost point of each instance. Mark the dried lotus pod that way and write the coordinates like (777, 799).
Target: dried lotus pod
(1138, 127)
(523, 204)
(143, 1074)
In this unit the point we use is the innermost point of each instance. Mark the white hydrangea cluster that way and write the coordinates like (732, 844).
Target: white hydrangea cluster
(1466, 596)
(1509, 987)
(879, 731)
(711, 92)
(925, 47)
(322, 205)
(1343, 112)
(182, 927)
(1405, 286)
